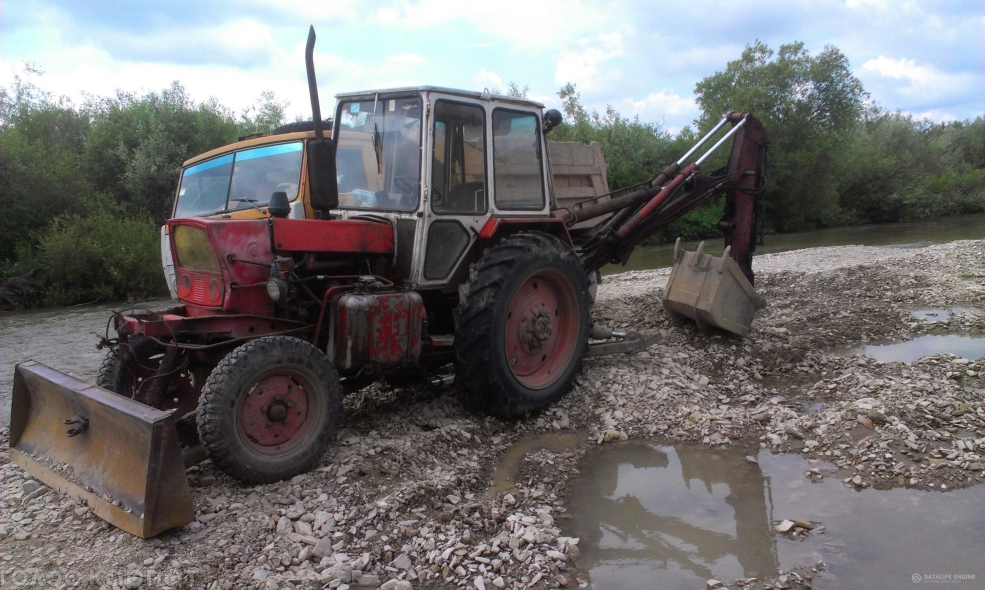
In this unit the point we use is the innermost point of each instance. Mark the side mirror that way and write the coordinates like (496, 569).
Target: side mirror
(279, 205)
(552, 119)
(323, 183)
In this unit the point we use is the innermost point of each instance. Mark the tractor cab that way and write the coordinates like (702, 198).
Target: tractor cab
(439, 164)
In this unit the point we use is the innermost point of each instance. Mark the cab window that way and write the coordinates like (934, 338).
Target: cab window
(517, 167)
(242, 180)
(378, 157)
(458, 158)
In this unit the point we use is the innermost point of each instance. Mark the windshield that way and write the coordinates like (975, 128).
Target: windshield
(379, 154)
(240, 180)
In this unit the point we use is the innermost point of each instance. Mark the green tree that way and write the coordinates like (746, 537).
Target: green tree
(41, 137)
(264, 115)
(138, 143)
(513, 89)
(809, 104)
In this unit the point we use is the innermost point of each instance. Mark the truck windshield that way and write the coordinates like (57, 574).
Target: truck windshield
(379, 154)
(239, 180)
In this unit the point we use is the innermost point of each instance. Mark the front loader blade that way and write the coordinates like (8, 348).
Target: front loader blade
(120, 457)
(711, 290)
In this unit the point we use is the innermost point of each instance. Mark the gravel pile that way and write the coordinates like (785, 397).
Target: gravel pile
(403, 499)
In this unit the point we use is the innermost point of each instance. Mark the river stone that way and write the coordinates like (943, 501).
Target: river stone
(877, 417)
(402, 562)
(804, 524)
(784, 526)
(283, 525)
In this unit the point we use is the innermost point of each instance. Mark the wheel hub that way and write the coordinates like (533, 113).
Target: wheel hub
(274, 411)
(540, 326)
(537, 329)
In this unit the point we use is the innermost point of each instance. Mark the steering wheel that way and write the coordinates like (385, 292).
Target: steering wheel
(405, 184)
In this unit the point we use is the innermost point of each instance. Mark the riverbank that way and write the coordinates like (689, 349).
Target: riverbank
(405, 492)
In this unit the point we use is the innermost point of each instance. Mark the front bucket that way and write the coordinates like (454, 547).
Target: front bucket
(712, 291)
(120, 457)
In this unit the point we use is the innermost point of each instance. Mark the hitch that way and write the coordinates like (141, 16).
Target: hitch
(626, 341)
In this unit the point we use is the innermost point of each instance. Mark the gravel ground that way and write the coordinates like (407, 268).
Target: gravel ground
(402, 499)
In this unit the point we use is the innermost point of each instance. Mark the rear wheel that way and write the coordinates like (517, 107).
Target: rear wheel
(522, 324)
(269, 409)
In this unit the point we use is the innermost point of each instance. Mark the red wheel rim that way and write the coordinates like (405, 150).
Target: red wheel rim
(542, 328)
(273, 415)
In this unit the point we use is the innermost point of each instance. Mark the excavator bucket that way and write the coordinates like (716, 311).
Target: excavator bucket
(120, 457)
(710, 290)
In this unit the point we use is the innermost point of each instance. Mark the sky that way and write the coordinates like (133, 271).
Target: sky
(926, 58)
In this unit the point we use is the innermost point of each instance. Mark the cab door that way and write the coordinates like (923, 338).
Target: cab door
(456, 185)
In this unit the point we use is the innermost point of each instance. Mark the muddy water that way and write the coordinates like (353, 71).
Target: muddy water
(971, 348)
(903, 235)
(64, 339)
(673, 517)
(503, 477)
(932, 316)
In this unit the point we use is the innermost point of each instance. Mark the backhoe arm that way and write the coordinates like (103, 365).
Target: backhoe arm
(678, 190)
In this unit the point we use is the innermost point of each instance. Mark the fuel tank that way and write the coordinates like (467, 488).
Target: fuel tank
(378, 330)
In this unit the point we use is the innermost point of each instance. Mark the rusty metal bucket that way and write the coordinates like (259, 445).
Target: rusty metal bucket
(711, 290)
(120, 457)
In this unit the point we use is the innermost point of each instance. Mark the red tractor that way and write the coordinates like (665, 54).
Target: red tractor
(435, 238)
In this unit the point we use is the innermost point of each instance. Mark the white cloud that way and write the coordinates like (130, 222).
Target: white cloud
(667, 107)
(485, 79)
(922, 80)
(856, 4)
(524, 22)
(581, 66)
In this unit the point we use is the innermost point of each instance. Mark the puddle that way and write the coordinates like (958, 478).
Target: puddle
(63, 338)
(938, 315)
(971, 348)
(508, 465)
(673, 517)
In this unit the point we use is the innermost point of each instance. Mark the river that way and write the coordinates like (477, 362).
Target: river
(903, 235)
(66, 338)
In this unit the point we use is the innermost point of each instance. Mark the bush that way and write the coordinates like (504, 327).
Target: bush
(102, 256)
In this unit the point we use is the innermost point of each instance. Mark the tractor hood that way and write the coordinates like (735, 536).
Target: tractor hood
(224, 264)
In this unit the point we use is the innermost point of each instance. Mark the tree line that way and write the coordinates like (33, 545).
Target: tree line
(85, 186)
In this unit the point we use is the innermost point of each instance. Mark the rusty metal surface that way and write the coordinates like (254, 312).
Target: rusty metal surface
(378, 330)
(127, 453)
(632, 342)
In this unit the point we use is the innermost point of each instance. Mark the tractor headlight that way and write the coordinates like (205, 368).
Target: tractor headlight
(277, 289)
(194, 249)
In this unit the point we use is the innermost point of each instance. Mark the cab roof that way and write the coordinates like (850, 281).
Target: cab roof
(484, 95)
(252, 142)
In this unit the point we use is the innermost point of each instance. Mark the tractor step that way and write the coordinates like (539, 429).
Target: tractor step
(711, 290)
(118, 456)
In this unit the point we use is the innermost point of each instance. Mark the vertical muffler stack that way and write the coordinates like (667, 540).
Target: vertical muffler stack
(118, 456)
(711, 290)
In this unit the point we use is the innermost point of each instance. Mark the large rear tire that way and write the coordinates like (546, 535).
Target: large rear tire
(270, 409)
(522, 324)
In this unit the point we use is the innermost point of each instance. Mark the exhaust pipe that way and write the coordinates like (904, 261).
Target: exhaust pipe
(309, 62)
(323, 191)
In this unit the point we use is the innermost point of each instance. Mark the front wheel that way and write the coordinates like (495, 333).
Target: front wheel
(270, 409)
(522, 324)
